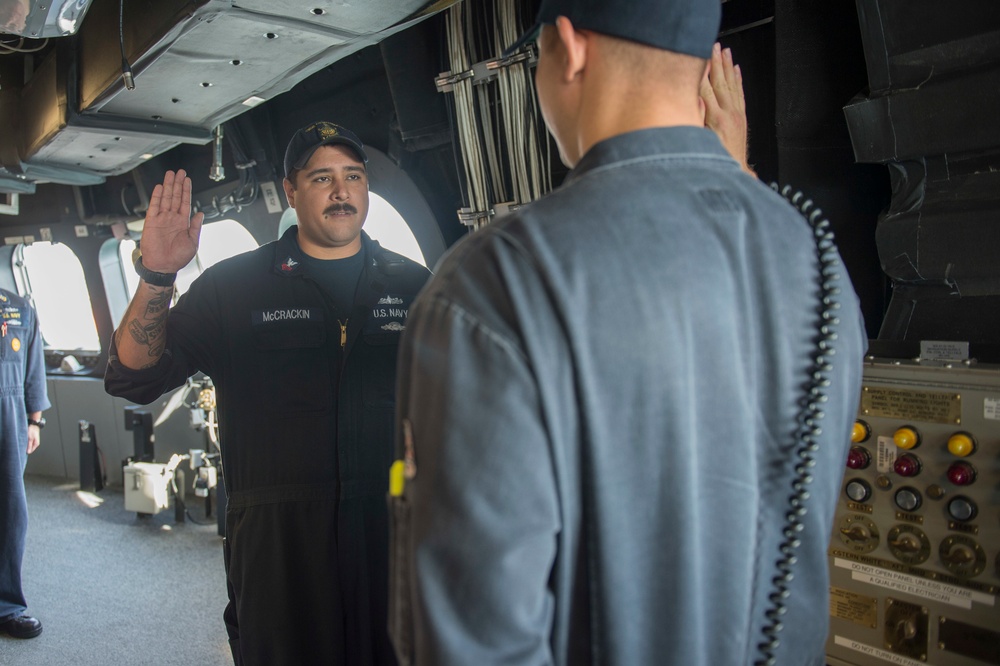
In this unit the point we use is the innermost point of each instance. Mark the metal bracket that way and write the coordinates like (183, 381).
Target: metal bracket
(471, 218)
(485, 71)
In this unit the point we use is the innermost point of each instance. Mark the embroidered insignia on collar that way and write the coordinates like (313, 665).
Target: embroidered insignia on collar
(390, 300)
(289, 264)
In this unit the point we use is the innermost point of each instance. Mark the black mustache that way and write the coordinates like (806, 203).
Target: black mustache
(340, 208)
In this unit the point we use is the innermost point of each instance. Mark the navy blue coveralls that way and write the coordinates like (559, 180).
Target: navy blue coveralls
(306, 419)
(22, 392)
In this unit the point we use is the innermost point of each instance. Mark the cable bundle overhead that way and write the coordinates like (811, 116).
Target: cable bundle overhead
(466, 123)
(494, 113)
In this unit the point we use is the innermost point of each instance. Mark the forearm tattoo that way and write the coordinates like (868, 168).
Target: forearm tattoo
(149, 329)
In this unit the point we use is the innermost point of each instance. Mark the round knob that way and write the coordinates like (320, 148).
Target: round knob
(962, 508)
(906, 629)
(857, 533)
(906, 543)
(960, 555)
(906, 438)
(909, 544)
(908, 499)
(906, 465)
(961, 444)
(860, 432)
(858, 458)
(858, 490)
(961, 473)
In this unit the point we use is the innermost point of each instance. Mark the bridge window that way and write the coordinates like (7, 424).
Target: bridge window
(388, 227)
(384, 224)
(53, 276)
(219, 240)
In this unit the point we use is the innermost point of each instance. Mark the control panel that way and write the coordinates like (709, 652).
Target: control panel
(915, 552)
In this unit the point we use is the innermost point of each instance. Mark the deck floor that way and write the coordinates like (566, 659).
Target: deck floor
(112, 588)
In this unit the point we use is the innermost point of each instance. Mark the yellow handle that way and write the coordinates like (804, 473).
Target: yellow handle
(397, 479)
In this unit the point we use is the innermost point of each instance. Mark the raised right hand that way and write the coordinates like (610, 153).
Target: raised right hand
(170, 234)
(725, 106)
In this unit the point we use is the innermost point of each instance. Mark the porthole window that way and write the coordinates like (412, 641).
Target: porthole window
(388, 227)
(219, 240)
(54, 279)
(384, 224)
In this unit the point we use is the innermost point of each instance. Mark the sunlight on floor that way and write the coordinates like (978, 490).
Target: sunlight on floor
(90, 500)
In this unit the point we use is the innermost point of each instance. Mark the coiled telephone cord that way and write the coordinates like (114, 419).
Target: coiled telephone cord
(809, 420)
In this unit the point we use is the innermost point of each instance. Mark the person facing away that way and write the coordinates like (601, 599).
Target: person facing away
(600, 395)
(23, 398)
(300, 338)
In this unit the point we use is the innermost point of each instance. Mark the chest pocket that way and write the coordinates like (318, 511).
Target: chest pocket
(12, 341)
(387, 319)
(12, 346)
(293, 367)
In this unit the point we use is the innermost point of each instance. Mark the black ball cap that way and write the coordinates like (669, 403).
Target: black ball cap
(682, 26)
(309, 138)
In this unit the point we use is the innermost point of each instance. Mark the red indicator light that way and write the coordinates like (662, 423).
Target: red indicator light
(961, 473)
(906, 465)
(858, 458)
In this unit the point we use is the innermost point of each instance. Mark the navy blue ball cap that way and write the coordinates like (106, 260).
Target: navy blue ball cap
(305, 142)
(683, 26)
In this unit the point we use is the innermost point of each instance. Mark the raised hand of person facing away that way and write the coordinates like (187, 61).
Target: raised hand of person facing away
(725, 106)
(170, 233)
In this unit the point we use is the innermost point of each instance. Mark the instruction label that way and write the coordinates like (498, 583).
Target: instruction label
(885, 454)
(878, 653)
(929, 406)
(854, 607)
(912, 585)
(991, 409)
(270, 194)
(944, 350)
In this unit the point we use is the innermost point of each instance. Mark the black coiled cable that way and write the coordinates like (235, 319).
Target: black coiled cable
(809, 418)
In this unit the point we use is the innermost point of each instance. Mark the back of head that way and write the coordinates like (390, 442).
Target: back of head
(687, 27)
(645, 69)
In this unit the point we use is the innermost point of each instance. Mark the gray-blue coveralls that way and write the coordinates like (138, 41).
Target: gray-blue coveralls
(22, 392)
(602, 397)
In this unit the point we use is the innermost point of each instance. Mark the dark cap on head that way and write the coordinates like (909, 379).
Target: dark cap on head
(309, 138)
(682, 26)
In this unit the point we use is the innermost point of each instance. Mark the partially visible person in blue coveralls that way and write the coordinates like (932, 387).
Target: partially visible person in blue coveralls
(22, 400)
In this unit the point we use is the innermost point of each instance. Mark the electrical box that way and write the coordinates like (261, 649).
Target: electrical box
(915, 552)
(147, 487)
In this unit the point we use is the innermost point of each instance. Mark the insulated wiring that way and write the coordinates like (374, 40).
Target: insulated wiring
(506, 158)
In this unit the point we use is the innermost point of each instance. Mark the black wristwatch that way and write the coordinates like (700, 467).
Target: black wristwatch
(152, 277)
(40, 422)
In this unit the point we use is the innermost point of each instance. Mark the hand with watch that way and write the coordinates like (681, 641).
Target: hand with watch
(35, 433)
(170, 234)
(151, 277)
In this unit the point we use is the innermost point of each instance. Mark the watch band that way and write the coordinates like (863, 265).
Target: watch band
(40, 422)
(152, 277)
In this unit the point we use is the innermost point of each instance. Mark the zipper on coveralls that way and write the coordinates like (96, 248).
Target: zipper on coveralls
(343, 333)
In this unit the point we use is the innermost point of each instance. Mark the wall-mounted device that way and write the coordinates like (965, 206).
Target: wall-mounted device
(915, 551)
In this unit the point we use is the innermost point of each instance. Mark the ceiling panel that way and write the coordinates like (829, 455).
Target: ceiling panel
(214, 65)
(356, 16)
